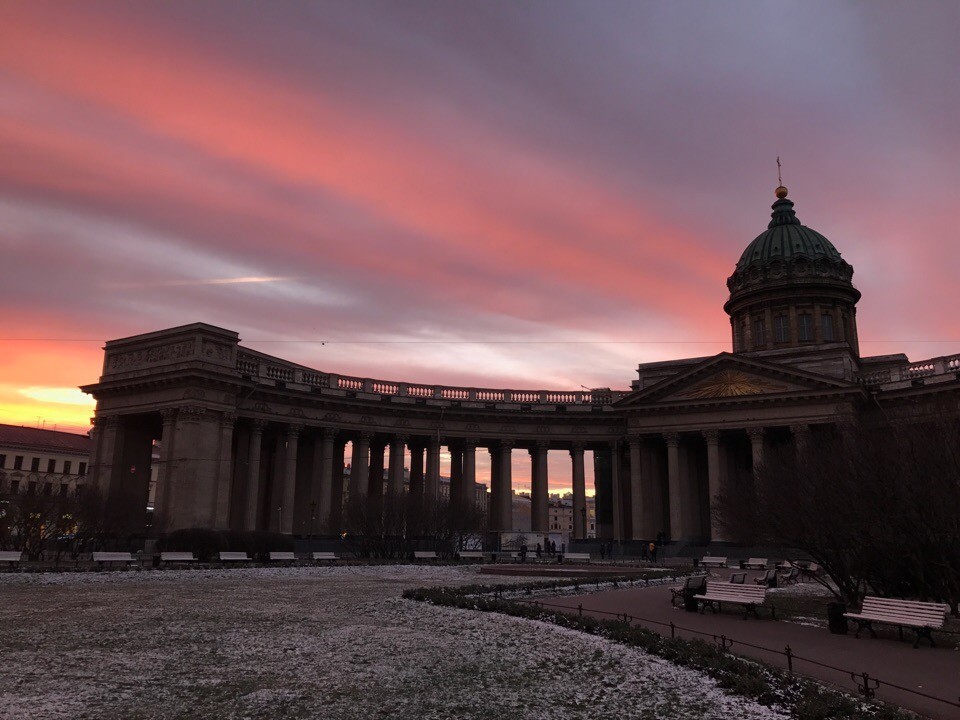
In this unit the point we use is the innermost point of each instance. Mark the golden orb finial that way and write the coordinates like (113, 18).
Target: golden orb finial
(781, 192)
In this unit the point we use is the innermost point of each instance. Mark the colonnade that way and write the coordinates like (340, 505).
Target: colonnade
(218, 470)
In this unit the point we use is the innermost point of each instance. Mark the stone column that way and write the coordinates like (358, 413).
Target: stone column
(579, 493)
(673, 481)
(540, 493)
(639, 500)
(253, 476)
(322, 491)
(801, 438)
(495, 488)
(289, 479)
(617, 490)
(360, 466)
(756, 445)
(431, 483)
(334, 524)
(108, 460)
(375, 486)
(397, 446)
(193, 492)
(506, 486)
(161, 500)
(715, 484)
(221, 512)
(416, 473)
(456, 477)
(469, 479)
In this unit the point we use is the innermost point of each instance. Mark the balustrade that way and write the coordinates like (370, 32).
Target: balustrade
(251, 365)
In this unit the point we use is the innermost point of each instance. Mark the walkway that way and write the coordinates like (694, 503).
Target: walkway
(935, 671)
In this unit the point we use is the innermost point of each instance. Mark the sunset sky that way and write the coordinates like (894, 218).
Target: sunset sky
(534, 195)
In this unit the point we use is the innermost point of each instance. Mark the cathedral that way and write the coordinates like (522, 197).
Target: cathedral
(249, 441)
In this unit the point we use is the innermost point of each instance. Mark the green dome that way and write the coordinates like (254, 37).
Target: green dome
(786, 239)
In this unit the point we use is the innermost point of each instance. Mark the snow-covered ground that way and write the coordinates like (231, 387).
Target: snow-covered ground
(313, 643)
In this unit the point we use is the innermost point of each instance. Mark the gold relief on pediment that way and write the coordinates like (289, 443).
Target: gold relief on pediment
(732, 383)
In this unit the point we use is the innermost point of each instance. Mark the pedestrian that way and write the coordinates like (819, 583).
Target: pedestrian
(523, 553)
(538, 551)
(563, 548)
(653, 552)
(553, 547)
(603, 549)
(610, 549)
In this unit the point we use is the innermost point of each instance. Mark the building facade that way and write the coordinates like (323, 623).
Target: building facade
(42, 462)
(244, 434)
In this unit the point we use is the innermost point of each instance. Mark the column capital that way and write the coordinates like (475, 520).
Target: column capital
(192, 412)
(294, 430)
(542, 444)
(400, 438)
(635, 439)
(672, 439)
(259, 424)
(799, 430)
(577, 448)
(470, 443)
(507, 444)
(366, 436)
(711, 436)
(328, 433)
(755, 433)
(168, 415)
(228, 419)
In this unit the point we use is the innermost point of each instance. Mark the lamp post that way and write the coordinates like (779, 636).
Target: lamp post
(313, 516)
(583, 512)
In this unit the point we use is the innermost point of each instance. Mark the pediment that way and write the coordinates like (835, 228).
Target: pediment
(727, 377)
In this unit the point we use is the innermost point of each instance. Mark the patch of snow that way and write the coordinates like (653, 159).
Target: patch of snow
(314, 643)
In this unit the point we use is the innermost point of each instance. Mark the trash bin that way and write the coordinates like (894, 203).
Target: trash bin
(689, 601)
(835, 619)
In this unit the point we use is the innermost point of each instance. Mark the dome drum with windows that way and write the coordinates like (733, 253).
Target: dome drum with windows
(791, 288)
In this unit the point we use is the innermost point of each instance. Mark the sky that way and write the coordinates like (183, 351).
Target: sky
(525, 195)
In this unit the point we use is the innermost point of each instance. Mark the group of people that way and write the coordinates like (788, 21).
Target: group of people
(549, 547)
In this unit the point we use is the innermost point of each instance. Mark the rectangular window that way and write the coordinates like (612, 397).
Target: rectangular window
(48, 488)
(826, 325)
(67, 465)
(14, 487)
(805, 327)
(3, 461)
(35, 465)
(781, 329)
(759, 333)
(18, 462)
(83, 469)
(79, 491)
(51, 466)
(32, 488)
(63, 490)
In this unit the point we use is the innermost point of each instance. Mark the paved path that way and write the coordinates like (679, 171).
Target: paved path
(935, 671)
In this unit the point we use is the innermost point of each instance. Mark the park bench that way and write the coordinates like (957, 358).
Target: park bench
(575, 557)
(790, 577)
(755, 564)
(425, 555)
(470, 555)
(768, 579)
(112, 557)
(177, 557)
(11, 558)
(325, 557)
(786, 565)
(921, 617)
(713, 561)
(234, 557)
(282, 556)
(693, 584)
(738, 578)
(718, 593)
(809, 570)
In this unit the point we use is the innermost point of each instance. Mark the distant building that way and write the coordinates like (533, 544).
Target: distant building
(42, 462)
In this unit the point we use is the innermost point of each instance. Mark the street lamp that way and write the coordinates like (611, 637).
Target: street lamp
(313, 516)
(583, 527)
